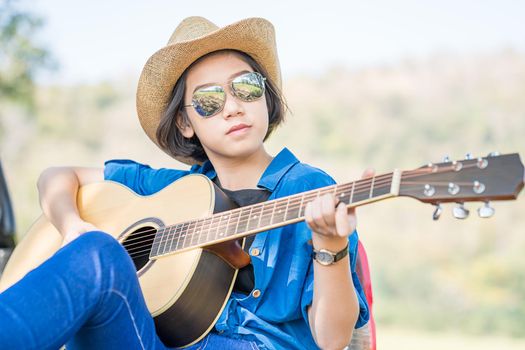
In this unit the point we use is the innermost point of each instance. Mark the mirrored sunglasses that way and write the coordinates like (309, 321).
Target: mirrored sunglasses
(209, 100)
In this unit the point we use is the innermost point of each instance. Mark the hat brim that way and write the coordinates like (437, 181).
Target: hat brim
(254, 36)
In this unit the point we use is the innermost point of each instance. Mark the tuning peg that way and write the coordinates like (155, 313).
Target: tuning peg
(460, 212)
(446, 159)
(486, 211)
(493, 154)
(468, 156)
(437, 212)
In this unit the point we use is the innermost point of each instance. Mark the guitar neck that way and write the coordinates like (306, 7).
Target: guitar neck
(245, 221)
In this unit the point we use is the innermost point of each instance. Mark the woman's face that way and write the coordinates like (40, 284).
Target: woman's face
(215, 133)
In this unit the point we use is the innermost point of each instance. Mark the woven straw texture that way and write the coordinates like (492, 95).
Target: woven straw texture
(194, 38)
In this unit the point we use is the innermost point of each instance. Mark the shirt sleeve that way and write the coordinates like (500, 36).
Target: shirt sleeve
(316, 180)
(308, 290)
(140, 178)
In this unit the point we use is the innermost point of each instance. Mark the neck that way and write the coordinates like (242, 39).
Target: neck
(241, 173)
(264, 216)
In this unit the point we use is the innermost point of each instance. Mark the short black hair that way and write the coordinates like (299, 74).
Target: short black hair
(168, 133)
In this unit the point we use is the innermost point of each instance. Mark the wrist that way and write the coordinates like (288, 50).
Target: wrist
(70, 224)
(328, 257)
(333, 243)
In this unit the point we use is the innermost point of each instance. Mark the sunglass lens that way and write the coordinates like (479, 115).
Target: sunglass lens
(248, 87)
(209, 100)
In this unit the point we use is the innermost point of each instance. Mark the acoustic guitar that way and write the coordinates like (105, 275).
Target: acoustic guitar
(184, 239)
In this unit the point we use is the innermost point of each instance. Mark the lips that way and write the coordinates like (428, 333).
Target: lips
(237, 127)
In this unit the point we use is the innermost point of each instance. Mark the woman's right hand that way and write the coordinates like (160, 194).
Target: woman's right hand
(57, 189)
(75, 229)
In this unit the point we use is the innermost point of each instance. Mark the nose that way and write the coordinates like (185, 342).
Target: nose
(232, 106)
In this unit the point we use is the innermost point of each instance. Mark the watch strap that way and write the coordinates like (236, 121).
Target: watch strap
(341, 254)
(336, 255)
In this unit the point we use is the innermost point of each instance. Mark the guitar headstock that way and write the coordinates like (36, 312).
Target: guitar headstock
(495, 177)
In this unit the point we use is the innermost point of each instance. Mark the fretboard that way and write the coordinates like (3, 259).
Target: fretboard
(264, 216)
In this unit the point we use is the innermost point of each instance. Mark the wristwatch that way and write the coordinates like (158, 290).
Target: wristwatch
(326, 257)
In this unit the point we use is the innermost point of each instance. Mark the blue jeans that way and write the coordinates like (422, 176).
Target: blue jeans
(88, 296)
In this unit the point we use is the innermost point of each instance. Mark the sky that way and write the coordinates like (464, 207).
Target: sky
(104, 39)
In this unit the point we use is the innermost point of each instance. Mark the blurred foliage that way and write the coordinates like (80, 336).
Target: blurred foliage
(20, 55)
(467, 276)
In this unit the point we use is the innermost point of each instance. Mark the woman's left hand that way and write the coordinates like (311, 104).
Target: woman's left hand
(331, 225)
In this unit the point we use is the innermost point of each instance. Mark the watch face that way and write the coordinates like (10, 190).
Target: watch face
(325, 258)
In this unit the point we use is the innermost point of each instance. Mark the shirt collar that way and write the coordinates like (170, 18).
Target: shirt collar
(279, 165)
(206, 169)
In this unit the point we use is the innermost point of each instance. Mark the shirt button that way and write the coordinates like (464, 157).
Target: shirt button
(256, 293)
(255, 252)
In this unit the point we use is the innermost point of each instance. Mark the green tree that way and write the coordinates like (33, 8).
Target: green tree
(21, 56)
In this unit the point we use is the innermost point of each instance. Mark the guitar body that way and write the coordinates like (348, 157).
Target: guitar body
(184, 292)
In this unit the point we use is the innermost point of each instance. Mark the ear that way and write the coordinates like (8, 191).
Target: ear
(184, 126)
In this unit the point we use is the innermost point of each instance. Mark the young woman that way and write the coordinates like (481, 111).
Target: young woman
(210, 98)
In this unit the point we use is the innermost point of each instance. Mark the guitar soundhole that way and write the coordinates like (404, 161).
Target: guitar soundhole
(138, 244)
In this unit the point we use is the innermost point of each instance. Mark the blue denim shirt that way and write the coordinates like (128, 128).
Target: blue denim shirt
(283, 269)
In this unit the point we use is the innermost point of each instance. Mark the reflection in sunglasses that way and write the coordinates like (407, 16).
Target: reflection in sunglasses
(210, 100)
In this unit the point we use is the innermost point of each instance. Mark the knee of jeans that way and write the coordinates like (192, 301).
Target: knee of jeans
(107, 254)
(95, 239)
(105, 249)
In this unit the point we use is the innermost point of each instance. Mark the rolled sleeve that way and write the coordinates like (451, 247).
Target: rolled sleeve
(140, 178)
(122, 171)
(308, 289)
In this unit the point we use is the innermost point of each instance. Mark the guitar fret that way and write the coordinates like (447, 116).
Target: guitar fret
(352, 194)
(273, 212)
(172, 238)
(372, 186)
(184, 234)
(341, 196)
(243, 222)
(383, 188)
(194, 240)
(260, 216)
(178, 234)
(267, 214)
(237, 219)
(223, 229)
(286, 209)
(218, 226)
(300, 206)
(226, 230)
(197, 232)
(155, 245)
(162, 236)
(280, 214)
(175, 235)
(165, 239)
(253, 215)
(207, 222)
(293, 211)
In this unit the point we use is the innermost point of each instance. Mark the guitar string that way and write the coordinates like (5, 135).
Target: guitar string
(361, 185)
(137, 251)
(328, 189)
(306, 195)
(278, 205)
(148, 249)
(283, 202)
(280, 202)
(216, 228)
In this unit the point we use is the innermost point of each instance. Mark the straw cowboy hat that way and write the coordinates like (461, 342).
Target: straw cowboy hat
(194, 38)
